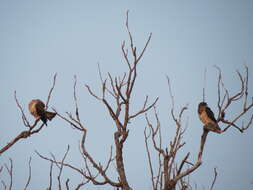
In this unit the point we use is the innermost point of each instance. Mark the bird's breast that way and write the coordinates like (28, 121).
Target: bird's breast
(204, 118)
(33, 110)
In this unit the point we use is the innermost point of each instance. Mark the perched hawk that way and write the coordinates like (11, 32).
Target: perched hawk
(37, 109)
(207, 117)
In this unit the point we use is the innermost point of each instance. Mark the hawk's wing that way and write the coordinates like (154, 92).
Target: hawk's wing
(40, 106)
(210, 114)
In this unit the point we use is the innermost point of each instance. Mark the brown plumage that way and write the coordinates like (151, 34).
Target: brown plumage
(207, 117)
(37, 109)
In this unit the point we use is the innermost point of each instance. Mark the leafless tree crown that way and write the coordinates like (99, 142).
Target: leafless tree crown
(166, 173)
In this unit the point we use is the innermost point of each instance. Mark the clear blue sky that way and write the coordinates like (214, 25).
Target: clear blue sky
(40, 38)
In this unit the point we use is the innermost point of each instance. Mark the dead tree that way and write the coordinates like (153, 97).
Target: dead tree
(170, 174)
(116, 96)
(119, 90)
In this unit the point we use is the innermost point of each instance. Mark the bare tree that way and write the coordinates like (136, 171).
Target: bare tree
(120, 90)
(116, 96)
(169, 173)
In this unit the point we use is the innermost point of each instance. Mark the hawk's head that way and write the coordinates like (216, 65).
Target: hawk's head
(201, 107)
(202, 104)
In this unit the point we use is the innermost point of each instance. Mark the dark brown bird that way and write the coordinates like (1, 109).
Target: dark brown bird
(207, 117)
(37, 109)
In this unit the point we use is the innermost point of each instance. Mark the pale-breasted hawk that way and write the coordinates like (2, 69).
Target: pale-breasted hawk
(207, 117)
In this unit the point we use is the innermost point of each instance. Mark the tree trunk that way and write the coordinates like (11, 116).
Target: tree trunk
(170, 185)
(120, 163)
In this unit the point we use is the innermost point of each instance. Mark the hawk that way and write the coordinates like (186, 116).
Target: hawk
(207, 117)
(37, 109)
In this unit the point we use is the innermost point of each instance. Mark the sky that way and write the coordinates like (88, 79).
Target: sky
(41, 38)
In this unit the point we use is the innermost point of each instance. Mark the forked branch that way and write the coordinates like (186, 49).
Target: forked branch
(225, 101)
(120, 90)
(31, 128)
(169, 174)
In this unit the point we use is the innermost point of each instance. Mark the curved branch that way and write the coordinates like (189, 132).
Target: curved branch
(32, 130)
(30, 174)
(198, 162)
(214, 179)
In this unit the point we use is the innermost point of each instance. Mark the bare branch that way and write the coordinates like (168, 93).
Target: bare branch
(50, 176)
(198, 162)
(67, 184)
(68, 121)
(204, 86)
(75, 99)
(61, 168)
(154, 134)
(130, 37)
(145, 47)
(30, 174)
(144, 108)
(171, 95)
(91, 93)
(51, 90)
(227, 101)
(183, 162)
(10, 172)
(249, 123)
(109, 160)
(125, 55)
(32, 130)
(114, 93)
(24, 119)
(98, 167)
(214, 179)
(80, 185)
(246, 87)
(149, 157)
(171, 175)
(60, 163)
(103, 82)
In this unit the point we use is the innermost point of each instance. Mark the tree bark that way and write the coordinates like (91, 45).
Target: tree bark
(120, 162)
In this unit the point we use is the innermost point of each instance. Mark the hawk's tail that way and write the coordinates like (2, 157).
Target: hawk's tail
(50, 115)
(217, 128)
(214, 127)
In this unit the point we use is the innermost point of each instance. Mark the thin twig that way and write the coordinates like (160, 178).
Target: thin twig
(170, 92)
(10, 172)
(24, 119)
(60, 163)
(30, 174)
(50, 176)
(149, 156)
(67, 183)
(204, 85)
(144, 109)
(214, 179)
(89, 90)
(50, 91)
(75, 99)
(61, 168)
